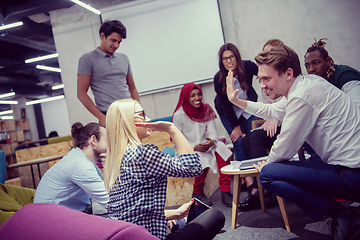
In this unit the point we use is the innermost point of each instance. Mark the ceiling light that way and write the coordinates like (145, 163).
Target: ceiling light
(16, 24)
(6, 112)
(57, 87)
(8, 102)
(7, 94)
(88, 7)
(7, 117)
(30, 60)
(45, 100)
(42, 67)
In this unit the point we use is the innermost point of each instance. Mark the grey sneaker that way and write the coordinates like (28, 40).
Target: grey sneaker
(203, 198)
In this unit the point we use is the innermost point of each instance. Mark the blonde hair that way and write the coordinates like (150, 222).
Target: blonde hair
(121, 132)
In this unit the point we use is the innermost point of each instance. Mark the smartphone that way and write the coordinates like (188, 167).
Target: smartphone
(197, 208)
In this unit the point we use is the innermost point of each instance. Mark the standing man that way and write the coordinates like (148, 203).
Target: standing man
(325, 117)
(107, 73)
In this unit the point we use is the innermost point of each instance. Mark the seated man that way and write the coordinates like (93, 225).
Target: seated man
(325, 117)
(346, 78)
(256, 143)
(318, 62)
(75, 179)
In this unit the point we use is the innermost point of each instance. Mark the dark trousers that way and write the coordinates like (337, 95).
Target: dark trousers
(312, 185)
(245, 126)
(256, 143)
(205, 226)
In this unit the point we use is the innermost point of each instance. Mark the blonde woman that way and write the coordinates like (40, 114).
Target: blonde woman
(136, 174)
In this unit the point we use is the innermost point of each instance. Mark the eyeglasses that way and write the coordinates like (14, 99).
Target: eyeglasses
(231, 57)
(143, 113)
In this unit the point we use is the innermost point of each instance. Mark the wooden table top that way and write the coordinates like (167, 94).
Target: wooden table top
(35, 161)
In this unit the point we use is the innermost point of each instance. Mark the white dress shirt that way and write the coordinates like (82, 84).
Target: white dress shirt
(197, 132)
(352, 89)
(319, 113)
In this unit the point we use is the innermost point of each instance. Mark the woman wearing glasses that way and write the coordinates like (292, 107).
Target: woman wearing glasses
(136, 174)
(236, 121)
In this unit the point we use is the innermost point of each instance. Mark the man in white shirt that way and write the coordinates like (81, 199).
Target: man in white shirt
(325, 117)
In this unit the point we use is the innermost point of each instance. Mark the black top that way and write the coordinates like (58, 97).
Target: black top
(343, 74)
(222, 104)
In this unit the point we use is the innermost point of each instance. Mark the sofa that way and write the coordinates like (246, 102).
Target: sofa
(12, 198)
(55, 222)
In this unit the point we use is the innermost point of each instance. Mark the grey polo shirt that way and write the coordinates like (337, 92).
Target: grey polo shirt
(108, 76)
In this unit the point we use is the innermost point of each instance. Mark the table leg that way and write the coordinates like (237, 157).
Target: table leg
(38, 165)
(236, 197)
(32, 174)
(261, 193)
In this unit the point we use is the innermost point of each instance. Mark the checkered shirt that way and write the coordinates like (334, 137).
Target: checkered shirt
(139, 194)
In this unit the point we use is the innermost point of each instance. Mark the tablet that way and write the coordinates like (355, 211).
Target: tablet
(248, 164)
(197, 208)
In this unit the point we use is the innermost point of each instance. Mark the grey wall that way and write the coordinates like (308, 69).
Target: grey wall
(246, 23)
(249, 24)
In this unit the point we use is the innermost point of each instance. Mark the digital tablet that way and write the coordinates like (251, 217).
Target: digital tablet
(248, 164)
(197, 208)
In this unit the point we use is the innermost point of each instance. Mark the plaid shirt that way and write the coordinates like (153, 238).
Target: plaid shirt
(139, 194)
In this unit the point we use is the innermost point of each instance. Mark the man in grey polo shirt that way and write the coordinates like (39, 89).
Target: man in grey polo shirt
(107, 73)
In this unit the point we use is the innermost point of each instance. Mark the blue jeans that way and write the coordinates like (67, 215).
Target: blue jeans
(245, 126)
(312, 185)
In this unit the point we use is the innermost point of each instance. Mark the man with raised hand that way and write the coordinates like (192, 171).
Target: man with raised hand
(325, 117)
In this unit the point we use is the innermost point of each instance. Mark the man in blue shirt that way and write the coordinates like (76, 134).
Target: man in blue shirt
(75, 179)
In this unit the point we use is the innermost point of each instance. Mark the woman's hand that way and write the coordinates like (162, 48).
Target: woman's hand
(209, 142)
(203, 147)
(230, 90)
(183, 211)
(199, 148)
(236, 133)
(160, 126)
(179, 213)
(270, 127)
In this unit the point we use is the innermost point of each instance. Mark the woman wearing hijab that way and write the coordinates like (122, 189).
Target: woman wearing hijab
(196, 121)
